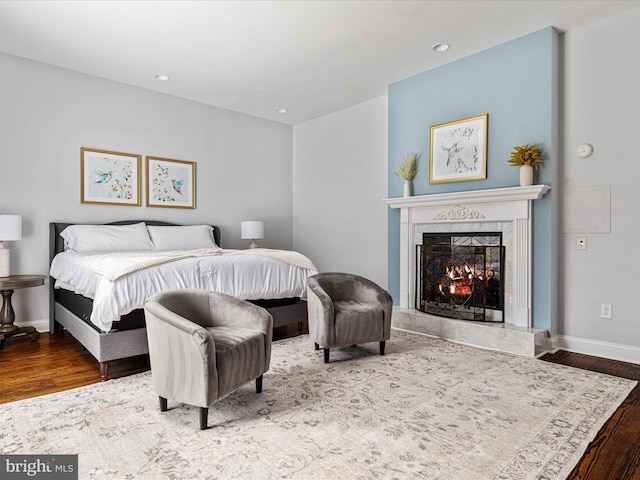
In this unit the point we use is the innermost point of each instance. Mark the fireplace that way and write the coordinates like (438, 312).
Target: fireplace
(503, 210)
(506, 211)
(460, 275)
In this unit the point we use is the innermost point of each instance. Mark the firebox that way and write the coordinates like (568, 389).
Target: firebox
(460, 275)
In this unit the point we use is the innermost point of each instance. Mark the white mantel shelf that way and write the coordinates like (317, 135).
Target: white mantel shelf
(510, 194)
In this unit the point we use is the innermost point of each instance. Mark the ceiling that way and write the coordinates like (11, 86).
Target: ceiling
(255, 57)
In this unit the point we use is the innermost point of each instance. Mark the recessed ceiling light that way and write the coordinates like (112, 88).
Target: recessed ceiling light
(440, 47)
(161, 76)
(281, 110)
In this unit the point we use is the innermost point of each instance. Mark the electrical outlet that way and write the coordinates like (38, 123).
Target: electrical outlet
(581, 243)
(605, 311)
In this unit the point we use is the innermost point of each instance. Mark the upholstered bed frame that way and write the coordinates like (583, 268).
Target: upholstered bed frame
(128, 338)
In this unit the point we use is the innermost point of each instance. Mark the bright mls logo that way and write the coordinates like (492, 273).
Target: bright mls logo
(57, 467)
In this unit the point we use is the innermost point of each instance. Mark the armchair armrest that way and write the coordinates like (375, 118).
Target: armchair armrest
(321, 314)
(178, 346)
(367, 291)
(181, 327)
(370, 292)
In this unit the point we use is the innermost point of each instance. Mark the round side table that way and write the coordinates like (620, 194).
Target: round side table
(7, 315)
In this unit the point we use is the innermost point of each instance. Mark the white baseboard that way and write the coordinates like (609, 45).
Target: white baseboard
(42, 325)
(613, 351)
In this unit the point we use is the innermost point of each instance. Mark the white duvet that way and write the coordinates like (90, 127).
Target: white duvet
(244, 276)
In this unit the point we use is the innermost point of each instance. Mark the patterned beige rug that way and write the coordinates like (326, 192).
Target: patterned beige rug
(428, 409)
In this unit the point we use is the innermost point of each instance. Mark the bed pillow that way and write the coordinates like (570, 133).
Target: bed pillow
(107, 238)
(189, 237)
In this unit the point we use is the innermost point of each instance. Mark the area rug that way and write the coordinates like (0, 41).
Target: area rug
(428, 409)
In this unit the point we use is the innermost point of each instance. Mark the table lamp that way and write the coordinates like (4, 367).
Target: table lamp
(10, 229)
(252, 230)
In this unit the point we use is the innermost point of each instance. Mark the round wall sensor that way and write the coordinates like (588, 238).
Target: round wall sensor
(584, 150)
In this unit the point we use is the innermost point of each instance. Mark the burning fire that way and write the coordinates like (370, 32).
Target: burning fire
(458, 280)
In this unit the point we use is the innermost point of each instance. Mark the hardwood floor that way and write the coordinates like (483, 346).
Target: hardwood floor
(58, 362)
(615, 453)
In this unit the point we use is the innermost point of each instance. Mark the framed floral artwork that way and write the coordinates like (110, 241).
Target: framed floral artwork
(458, 150)
(109, 178)
(171, 183)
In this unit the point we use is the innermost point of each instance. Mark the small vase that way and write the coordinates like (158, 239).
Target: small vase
(526, 175)
(407, 188)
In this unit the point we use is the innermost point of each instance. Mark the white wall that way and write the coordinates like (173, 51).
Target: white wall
(244, 164)
(339, 181)
(601, 107)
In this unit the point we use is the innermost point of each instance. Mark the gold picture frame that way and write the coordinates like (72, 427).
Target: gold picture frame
(109, 178)
(458, 150)
(170, 183)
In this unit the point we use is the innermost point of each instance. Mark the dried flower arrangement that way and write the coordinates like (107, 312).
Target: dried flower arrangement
(526, 155)
(407, 168)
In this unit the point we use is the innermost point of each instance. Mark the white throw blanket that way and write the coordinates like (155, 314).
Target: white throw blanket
(118, 264)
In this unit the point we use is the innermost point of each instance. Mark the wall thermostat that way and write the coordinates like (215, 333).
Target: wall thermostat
(584, 150)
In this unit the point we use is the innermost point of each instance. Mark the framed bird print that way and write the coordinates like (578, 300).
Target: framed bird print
(171, 183)
(458, 150)
(109, 178)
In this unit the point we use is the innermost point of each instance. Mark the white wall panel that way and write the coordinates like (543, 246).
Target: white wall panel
(601, 101)
(339, 180)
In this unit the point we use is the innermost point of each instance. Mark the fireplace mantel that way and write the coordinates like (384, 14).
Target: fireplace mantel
(511, 194)
(511, 204)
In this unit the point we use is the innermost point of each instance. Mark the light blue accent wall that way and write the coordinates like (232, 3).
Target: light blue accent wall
(513, 84)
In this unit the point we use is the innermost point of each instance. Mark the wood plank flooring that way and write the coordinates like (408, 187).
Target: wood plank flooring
(615, 453)
(58, 362)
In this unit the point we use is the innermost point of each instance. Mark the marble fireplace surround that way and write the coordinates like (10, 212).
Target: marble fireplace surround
(503, 209)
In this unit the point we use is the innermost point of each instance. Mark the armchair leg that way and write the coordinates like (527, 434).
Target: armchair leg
(317, 347)
(326, 355)
(382, 347)
(204, 416)
(259, 384)
(163, 404)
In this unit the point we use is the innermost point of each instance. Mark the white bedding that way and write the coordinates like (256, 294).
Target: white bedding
(249, 277)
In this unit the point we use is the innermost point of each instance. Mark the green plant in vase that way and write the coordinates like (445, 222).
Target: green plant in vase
(406, 170)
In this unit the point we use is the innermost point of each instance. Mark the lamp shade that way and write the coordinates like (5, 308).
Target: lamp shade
(10, 227)
(251, 230)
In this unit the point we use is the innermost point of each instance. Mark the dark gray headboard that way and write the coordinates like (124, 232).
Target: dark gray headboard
(56, 242)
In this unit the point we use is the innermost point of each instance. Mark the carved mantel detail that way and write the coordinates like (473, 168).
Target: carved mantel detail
(458, 212)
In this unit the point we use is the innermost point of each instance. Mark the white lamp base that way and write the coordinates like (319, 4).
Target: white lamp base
(5, 259)
(253, 244)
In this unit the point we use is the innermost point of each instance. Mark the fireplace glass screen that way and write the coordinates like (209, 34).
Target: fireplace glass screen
(461, 276)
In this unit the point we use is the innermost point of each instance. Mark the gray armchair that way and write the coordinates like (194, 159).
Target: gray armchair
(346, 309)
(205, 345)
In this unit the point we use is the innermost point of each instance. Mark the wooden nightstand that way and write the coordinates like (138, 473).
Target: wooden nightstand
(7, 315)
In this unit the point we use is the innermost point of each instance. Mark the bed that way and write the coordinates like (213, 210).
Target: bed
(102, 308)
